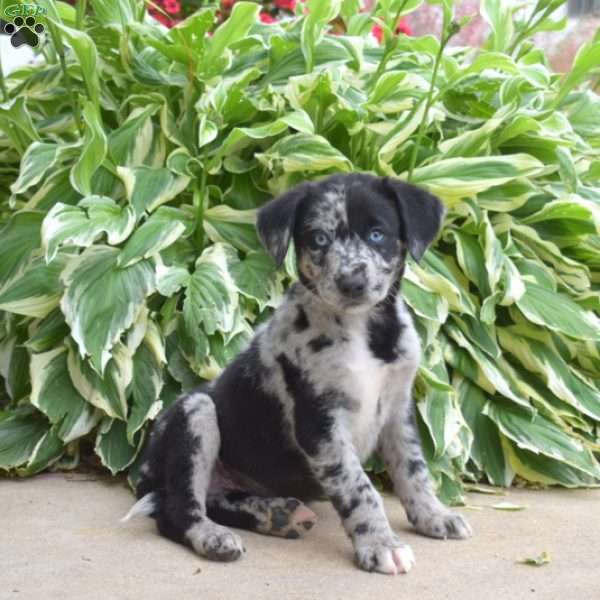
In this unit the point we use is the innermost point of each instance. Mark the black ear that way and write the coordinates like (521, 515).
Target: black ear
(276, 220)
(421, 212)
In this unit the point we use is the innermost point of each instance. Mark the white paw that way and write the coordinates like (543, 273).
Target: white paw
(216, 543)
(385, 559)
(443, 525)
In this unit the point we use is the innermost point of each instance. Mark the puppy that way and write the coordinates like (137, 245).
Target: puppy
(324, 383)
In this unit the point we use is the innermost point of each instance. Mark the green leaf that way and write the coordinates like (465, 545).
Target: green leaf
(320, 13)
(303, 152)
(440, 414)
(53, 393)
(87, 56)
(130, 144)
(107, 391)
(112, 446)
(36, 291)
(170, 279)
(486, 450)
(147, 188)
(538, 356)
(539, 436)
(39, 158)
(455, 178)
(82, 225)
(20, 434)
(165, 226)
(236, 27)
(48, 450)
(207, 131)
(93, 152)
(558, 312)
(499, 16)
(48, 333)
(235, 227)
(211, 295)
(114, 13)
(102, 300)
(255, 277)
(14, 367)
(19, 238)
(14, 112)
(587, 57)
(146, 387)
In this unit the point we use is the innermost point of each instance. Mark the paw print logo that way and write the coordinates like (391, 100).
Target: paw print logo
(24, 31)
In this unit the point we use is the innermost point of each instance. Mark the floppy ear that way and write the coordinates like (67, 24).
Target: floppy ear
(421, 212)
(276, 220)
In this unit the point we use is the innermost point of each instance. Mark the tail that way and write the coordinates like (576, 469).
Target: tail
(145, 506)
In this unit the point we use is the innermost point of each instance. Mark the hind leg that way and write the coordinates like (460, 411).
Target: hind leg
(283, 517)
(190, 444)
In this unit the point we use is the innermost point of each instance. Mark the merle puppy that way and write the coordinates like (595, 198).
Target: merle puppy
(325, 382)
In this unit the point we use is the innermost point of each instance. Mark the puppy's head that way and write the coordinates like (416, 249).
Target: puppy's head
(351, 234)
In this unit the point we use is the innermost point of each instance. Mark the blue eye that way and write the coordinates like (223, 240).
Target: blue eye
(319, 240)
(376, 236)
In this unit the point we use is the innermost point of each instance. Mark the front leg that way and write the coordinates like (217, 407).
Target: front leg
(359, 505)
(400, 446)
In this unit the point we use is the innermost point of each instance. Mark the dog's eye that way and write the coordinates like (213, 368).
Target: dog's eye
(376, 236)
(318, 239)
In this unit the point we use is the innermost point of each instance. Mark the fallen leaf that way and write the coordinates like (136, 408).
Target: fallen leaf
(480, 489)
(508, 506)
(538, 561)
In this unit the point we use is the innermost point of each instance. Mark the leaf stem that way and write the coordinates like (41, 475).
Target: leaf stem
(199, 194)
(60, 51)
(81, 8)
(389, 48)
(529, 27)
(438, 59)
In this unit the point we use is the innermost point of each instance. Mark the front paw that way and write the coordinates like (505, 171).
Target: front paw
(442, 525)
(387, 556)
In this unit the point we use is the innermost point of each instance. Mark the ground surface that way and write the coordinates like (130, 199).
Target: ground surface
(62, 539)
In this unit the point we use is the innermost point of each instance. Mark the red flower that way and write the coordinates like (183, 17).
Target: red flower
(267, 18)
(163, 19)
(228, 3)
(377, 33)
(403, 27)
(286, 4)
(172, 6)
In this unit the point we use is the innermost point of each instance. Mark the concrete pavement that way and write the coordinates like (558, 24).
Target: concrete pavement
(60, 538)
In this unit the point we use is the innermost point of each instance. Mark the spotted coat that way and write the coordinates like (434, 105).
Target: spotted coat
(325, 383)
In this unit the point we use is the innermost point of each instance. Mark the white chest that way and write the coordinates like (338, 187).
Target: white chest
(364, 382)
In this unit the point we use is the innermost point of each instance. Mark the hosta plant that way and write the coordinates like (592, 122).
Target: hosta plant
(133, 159)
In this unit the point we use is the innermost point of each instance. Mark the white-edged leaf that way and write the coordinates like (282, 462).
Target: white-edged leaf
(146, 385)
(211, 295)
(83, 224)
(37, 160)
(113, 447)
(36, 291)
(147, 188)
(108, 391)
(163, 227)
(102, 300)
(55, 395)
(93, 151)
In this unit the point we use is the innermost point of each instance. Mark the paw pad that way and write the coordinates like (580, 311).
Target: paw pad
(24, 31)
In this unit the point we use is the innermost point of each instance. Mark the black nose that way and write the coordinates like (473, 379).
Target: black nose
(352, 285)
